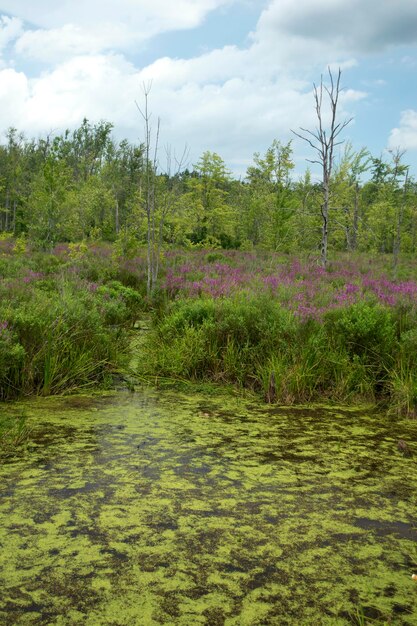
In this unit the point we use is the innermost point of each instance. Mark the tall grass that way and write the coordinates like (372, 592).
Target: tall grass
(253, 341)
(59, 331)
(14, 432)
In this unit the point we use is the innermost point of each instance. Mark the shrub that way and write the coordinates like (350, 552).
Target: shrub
(364, 330)
(12, 355)
(64, 338)
(224, 339)
(120, 304)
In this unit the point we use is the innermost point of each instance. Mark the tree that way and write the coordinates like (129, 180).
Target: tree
(85, 149)
(157, 191)
(386, 194)
(324, 140)
(272, 202)
(346, 192)
(151, 161)
(307, 197)
(51, 215)
(207, 196)
(123, 174)
(12, 165)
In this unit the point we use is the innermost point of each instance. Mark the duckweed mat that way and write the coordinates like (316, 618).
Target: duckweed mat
(161, 508)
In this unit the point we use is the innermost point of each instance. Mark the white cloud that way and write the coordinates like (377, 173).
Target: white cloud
(302, 32)
(405, 136)
(58, 44)
(78, 26)
(232, 115)
(10, 29)
(13, 95)
(230, 100)
(97, 87)
(162, 14)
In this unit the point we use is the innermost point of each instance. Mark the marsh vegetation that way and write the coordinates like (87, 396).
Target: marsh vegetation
(262, 503)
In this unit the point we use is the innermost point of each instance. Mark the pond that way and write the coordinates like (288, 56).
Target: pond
(153, 508)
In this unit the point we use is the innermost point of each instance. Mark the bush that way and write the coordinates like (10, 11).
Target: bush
(63, 338)
(120, 304)
(223, 339)
(12, 355)
(364, 330)
(256, 343)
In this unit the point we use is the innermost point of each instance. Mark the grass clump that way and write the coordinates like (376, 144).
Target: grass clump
(218, 340)
(252, 341)
(14, 432)
(59, 331)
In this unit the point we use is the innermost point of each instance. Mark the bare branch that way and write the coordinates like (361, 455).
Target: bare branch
(323, 141)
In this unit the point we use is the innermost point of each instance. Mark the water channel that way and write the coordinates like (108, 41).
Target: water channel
(155, 507)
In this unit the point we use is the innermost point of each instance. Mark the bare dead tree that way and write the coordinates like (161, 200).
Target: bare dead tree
(157, 205)
(174, 166)
(151, 163)
(324, 141)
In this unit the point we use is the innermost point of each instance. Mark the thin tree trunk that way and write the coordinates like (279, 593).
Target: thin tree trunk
(6, 211)
(348, 230)
(325, 224)
(355, 219)
(116, 215)
(14, 215)
(6, 219)
(400, 215)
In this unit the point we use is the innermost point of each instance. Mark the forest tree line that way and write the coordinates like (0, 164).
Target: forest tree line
(83, 184)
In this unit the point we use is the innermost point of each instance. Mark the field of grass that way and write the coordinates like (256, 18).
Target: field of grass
(288, 329)
(278, 325)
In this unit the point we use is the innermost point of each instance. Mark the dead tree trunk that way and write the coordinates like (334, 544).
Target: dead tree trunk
(150, 193)
(323, 141)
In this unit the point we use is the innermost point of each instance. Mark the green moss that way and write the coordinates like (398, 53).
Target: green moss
(161, 508)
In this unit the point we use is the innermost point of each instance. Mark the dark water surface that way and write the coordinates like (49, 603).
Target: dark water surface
(160, 508)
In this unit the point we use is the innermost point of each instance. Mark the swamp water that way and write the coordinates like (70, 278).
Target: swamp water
(158, 508)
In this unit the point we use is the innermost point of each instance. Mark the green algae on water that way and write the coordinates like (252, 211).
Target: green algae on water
(162, 508)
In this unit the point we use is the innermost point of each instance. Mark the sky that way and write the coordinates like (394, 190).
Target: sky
(228, 76)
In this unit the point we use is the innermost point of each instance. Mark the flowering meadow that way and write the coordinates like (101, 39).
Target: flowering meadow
(288, 329)
(279, 325)
(303, 287)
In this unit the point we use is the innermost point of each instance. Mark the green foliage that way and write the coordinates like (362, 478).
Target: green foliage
(59, 332)
(12, 357)
(403, 389)
(211, 214)
(14, 432)
(403, 377)
(408, 342)
(83, 185)
(214, 257)
(119, 305)
(363, 338)
(65, 319)
(365, 330)
(219, 339)
(52, 219)
(355, 352)
(270, 205)
(126, 244)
